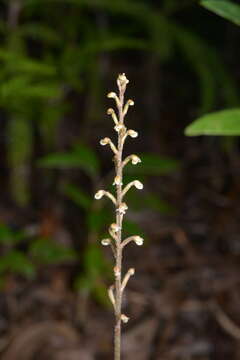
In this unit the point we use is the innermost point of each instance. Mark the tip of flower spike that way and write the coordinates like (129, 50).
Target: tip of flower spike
(130, 102)
(112, 95)
(105, 242)
(138, 184)
(99, 194)
(124, 318)
(104, 141)
(132, 133)
(138, 240)
(122, 79)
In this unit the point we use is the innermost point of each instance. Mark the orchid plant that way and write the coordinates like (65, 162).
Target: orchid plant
(115, 240)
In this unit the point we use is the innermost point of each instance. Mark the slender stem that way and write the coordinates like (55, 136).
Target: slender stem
(119, 218)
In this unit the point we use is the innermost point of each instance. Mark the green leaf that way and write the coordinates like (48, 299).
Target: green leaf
(17, 263)
(46, 251)
(225, 122)
(153, 164)
(226, 9)
(81, 156)
(78, 196)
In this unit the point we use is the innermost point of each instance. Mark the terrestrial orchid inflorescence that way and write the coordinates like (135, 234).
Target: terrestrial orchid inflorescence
(115, 230)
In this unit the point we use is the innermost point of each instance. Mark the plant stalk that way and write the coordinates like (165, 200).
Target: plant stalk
(119, 218)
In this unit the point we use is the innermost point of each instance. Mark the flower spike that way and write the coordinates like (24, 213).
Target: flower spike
(115, 241)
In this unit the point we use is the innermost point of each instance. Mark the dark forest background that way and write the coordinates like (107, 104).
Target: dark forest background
(58, 60)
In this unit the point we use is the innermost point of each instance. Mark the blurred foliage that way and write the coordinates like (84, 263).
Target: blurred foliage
(22, 254)
(225, 122)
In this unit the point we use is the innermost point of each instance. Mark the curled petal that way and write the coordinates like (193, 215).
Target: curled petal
(138, 184)
(132, 133)
(135, 183)
(113, 95)
(107, 141)
(105, 242)
(100, 193)
(128, 103)
(114, 116)
(137, 239)
(133, 158)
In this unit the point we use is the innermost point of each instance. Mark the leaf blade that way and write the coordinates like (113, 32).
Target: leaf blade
(225, 9)
(224, 122)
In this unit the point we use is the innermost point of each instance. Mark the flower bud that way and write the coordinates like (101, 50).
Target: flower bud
(117, 180)
(99, 194)
(110, 111)
(135, 159)
(138, 240)
(131, 271)
(114, 227)
(138, 184)
(132, 133)
(105, 242)
(124, 318)
(112, 95)
(130, 102)
(118, 127)
(105, 141)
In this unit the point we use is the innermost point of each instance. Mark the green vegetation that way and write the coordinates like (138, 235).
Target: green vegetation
(226, 122)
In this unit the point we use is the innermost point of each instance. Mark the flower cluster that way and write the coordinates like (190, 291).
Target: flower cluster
(115, 229)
